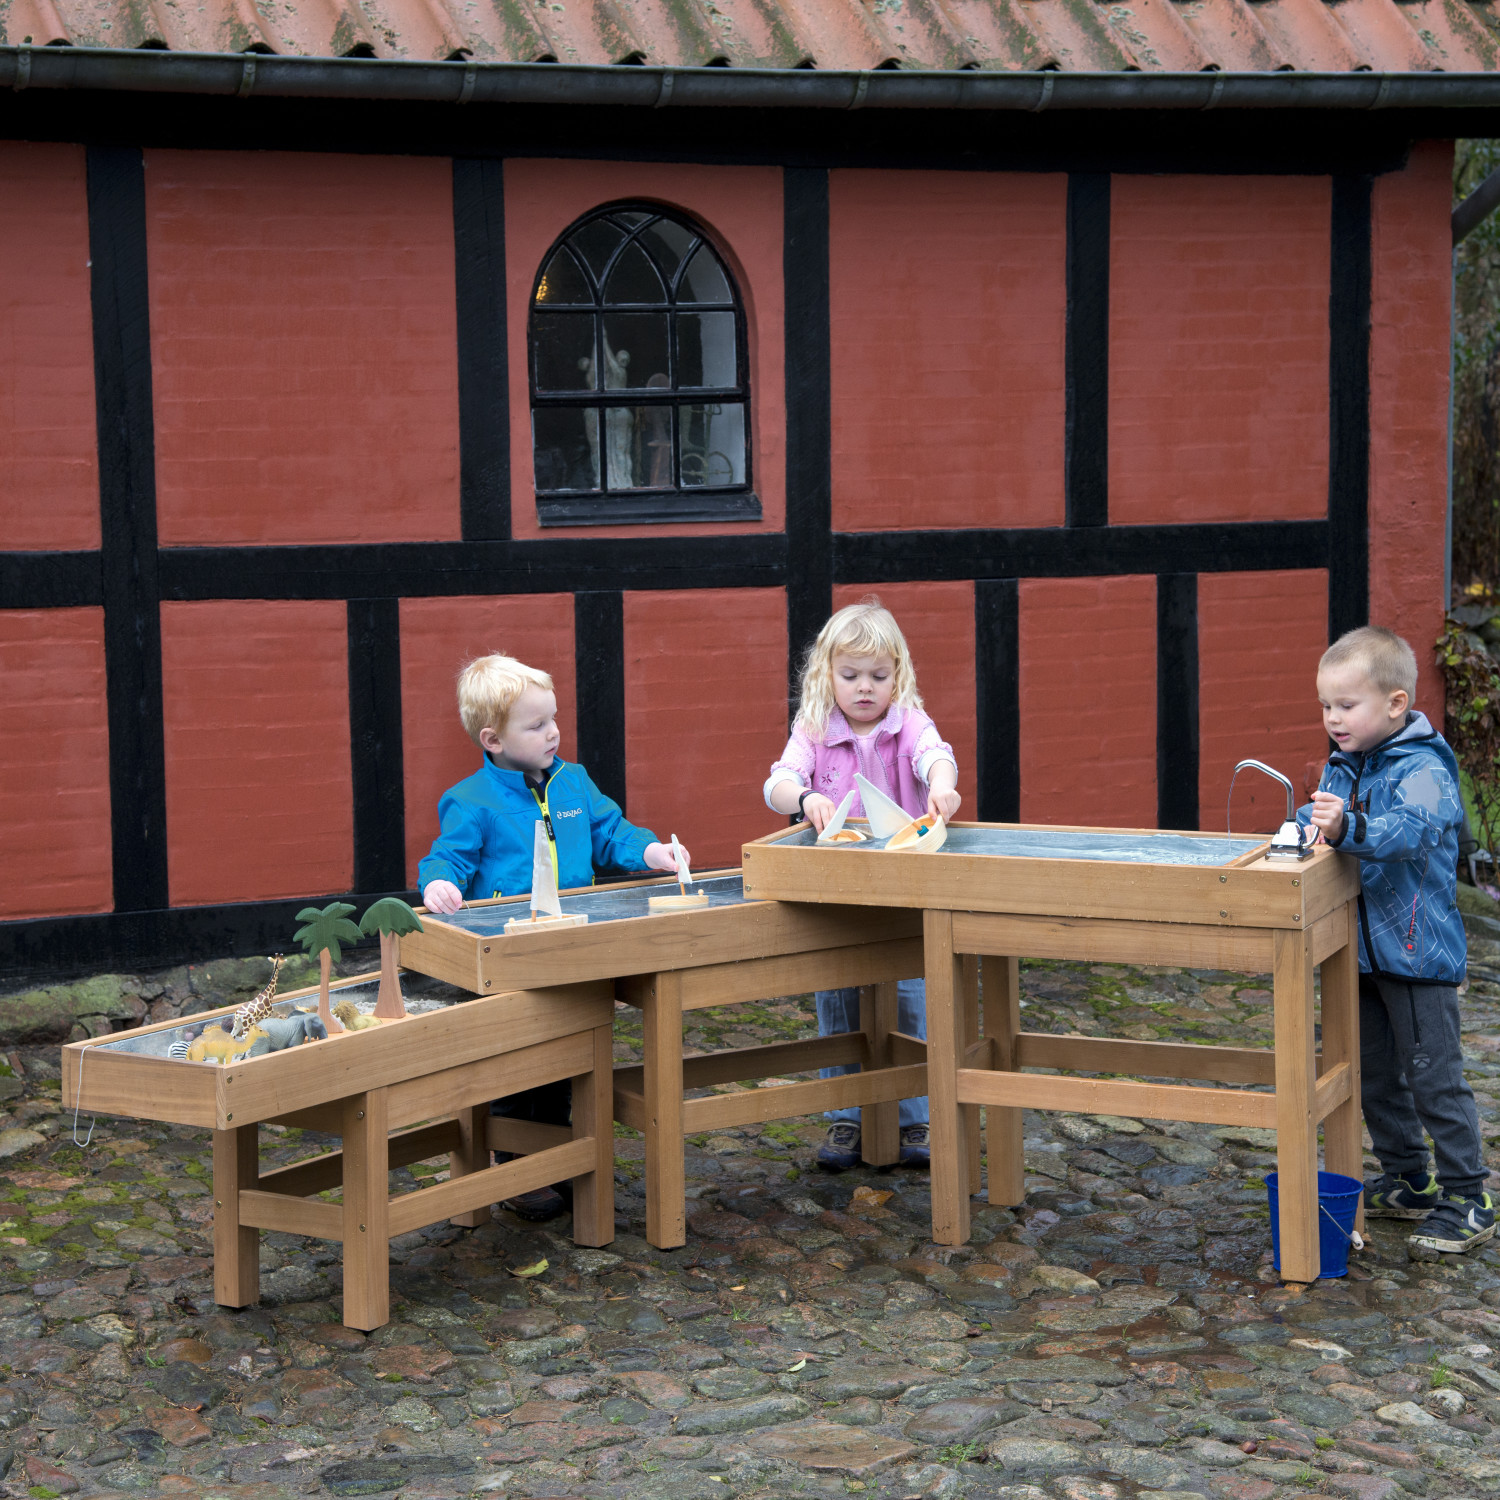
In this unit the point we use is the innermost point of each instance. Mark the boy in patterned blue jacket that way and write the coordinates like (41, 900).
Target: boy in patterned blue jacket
(1390, 797)
(487, 841)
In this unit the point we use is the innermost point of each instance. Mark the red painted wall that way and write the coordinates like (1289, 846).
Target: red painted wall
(705, 715)
(947, 308)
(1218, 384)
(740, 207)
(1257, 691)
(304, 356)
(54, 763)
(937, 620)
(438, 637)
(1088, 701)
(49, 479)
(256, 699)
(1410, 319)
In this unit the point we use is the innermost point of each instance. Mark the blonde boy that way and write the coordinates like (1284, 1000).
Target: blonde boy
(487, 840)
(1390, 797)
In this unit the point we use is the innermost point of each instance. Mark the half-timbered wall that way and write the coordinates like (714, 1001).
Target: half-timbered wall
(1121, 450)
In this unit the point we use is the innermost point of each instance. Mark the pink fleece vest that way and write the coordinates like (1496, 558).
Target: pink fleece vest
(835, 763)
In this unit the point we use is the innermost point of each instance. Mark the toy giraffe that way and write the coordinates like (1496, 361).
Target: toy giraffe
(260, 1007)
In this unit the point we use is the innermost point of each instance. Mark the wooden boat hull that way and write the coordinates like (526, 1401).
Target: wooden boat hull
(924, 835)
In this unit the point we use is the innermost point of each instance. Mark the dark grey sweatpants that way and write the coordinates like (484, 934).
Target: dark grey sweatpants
(1412, 1079)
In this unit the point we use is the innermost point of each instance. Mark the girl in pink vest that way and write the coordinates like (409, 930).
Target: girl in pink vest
(859, 711)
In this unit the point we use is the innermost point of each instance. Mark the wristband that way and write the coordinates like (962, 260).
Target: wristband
(801, 801)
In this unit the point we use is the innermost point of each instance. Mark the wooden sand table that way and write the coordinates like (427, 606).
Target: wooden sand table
(1120, 896)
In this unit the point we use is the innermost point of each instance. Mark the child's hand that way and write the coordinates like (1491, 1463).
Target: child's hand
(442, 896)
(818, 810)
(659, 857)
(1328, 815)
(943, 804)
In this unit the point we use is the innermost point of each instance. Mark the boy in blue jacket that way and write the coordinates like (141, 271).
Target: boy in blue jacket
(1389, 796)
(488, 834)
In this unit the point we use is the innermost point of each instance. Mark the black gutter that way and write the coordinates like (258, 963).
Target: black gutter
(150, 70)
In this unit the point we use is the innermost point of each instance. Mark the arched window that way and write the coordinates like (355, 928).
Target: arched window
(639, 397)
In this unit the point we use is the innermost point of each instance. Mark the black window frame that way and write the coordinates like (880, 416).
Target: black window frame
(604, 506)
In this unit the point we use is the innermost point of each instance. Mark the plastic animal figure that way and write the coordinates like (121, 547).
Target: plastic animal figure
(277, 1033)
(260, 1007)
(349, 1014)
(179, 1048)
(217, 1044)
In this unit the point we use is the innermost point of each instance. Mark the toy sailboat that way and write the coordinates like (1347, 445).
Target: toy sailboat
(887, 817)
(924, 835)
(835, 832)
(683, 900)
(546, 909)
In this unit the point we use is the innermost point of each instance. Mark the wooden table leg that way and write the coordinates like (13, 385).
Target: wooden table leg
(473, 1155)
(1002, 1127)
(666, 1226)
(1296, 1130)
(879, 1124)
(968, 1035)
(1343, 1129)
(594, 1115)
(950, 1148)
(236, 1245)
(367, 1250)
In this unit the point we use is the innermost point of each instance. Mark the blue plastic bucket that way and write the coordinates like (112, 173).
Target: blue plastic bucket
(1338, 1201)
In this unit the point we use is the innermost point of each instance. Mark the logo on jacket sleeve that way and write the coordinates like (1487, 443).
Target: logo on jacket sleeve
(567, 812)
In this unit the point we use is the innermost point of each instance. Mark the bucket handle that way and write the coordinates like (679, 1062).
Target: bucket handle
(1352, 1235)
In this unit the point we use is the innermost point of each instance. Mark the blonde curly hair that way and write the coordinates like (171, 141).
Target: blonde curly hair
(863, 629)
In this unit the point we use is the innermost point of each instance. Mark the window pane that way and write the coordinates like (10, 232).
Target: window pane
(597, 242)
(704, 280)
(638, 447)
(635, 350)
(564, 351)
(668, 241)
(566, 444)
(713, 444)
(562, 281)
(634, 280)
(630, 220)
(705, 349)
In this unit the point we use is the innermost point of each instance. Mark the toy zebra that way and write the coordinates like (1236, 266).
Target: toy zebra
(260, 1007)
(179, 1048)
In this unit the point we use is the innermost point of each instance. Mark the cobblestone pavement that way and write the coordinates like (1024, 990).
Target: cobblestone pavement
(1121, 1335)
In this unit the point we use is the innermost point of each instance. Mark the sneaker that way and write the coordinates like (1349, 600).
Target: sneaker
(915, 1150)
(1456, 1225)
(1401, 1197)
(840, 1148)
(537, 1206)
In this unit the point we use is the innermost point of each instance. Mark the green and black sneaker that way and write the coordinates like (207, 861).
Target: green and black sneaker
(1456, 1225)
(1393, 1197)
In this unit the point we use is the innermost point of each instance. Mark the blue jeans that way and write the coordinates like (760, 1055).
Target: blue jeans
(838, 1010)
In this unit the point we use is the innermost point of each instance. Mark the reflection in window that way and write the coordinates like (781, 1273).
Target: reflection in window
(638, 388)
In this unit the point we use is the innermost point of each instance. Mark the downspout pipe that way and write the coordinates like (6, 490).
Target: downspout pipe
(1476, 208)
(469, 82)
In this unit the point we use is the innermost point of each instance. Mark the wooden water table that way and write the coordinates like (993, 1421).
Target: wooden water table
(666, 964)
(1198, 900)
(440, 1066)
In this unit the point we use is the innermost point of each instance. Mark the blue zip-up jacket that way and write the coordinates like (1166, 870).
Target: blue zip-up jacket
(1402, 815)
(488, 835)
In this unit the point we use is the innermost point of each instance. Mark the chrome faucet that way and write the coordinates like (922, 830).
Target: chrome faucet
(1290, 841)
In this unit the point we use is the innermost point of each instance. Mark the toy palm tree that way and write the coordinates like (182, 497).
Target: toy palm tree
(392, 918)
(321, 933)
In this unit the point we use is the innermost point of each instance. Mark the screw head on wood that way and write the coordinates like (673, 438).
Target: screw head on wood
(1296, 916)
(228, 1117)
(1223, 913)
(361, 1228)
(359, 1114)
(1296, 880)
(1223, 879)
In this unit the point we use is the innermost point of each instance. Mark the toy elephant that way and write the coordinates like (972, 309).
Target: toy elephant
(280, 1032)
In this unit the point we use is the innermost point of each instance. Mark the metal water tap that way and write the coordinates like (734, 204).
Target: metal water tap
(1290, 841)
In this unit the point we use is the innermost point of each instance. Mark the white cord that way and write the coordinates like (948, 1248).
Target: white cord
(77, 1100)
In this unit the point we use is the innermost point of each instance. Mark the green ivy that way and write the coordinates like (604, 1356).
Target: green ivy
(1472, 720)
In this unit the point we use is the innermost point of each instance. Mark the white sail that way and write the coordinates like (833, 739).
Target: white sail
(543, 881)
(836, 822)
(887, 818)
(684, 871)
